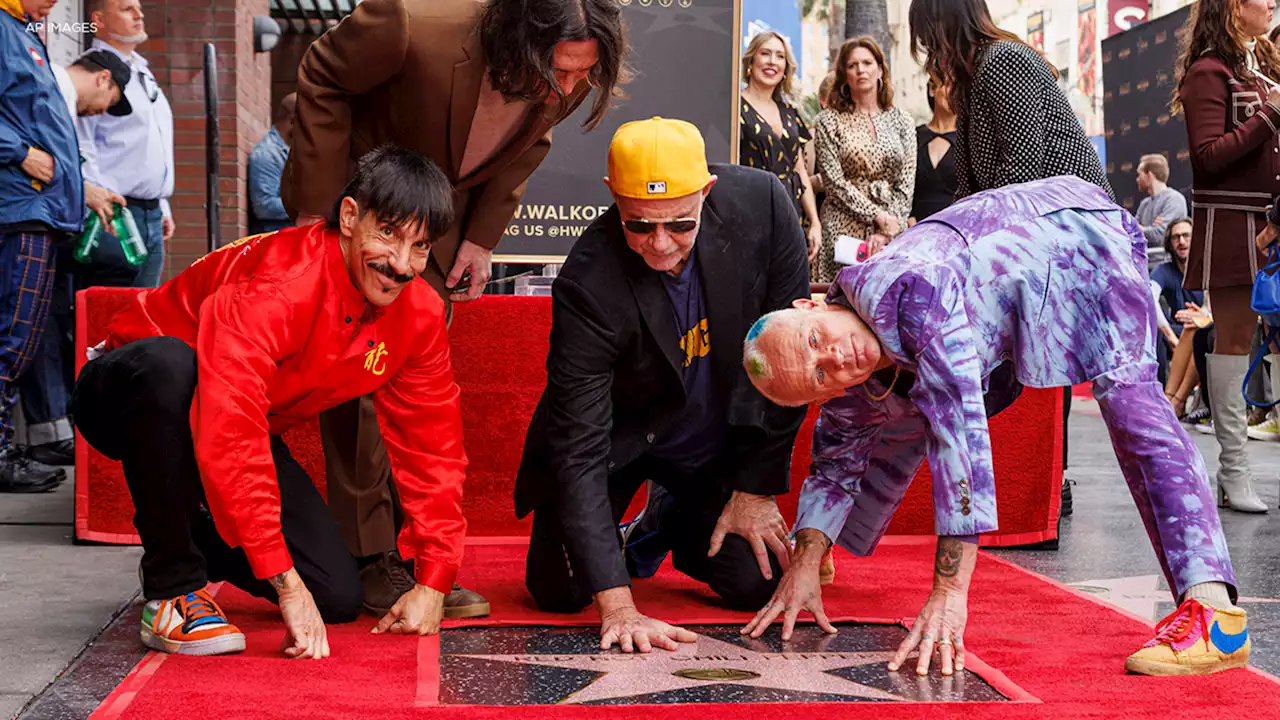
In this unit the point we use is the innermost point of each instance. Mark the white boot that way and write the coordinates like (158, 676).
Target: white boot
(1230, 425)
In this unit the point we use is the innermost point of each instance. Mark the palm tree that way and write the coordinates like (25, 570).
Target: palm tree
(830, 12)
(869, 17)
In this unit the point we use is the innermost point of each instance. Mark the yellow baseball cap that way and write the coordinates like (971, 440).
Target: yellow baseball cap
(657, 159)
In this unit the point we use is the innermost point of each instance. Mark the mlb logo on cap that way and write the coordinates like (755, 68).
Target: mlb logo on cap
(657, 188)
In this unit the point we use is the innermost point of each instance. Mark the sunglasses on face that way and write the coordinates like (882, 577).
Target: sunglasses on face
(675, 226)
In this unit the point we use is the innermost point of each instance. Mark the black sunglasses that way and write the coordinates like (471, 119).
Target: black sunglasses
(675, 226)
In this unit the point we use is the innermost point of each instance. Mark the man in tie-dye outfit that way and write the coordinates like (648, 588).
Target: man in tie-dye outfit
(1043, 285)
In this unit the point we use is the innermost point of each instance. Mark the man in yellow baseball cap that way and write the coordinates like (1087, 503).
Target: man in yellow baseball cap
(637, 391)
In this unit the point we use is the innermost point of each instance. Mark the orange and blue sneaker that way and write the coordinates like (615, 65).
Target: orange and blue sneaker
(1195, 640)
(190, 624)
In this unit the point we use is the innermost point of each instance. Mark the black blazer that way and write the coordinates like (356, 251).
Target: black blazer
(614, 379)
(1017, 125)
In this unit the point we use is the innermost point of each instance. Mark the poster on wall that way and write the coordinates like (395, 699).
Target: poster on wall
(684, 53)
(1035, 30)
(1086, 56)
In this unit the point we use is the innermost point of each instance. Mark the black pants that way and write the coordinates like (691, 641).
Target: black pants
(733, 573)
(1202, 345)
(134, 404)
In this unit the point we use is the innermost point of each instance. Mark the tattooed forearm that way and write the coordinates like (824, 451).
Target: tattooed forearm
(810, 538)
(947, 562)
(277, 581)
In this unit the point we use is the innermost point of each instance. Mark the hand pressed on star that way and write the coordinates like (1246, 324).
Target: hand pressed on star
(940, 624)
(799, 590)
(632, 631)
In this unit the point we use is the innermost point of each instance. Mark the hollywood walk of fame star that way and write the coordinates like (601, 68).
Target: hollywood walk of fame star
(628, 675)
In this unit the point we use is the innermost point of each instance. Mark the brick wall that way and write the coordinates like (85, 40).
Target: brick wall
(178, 31)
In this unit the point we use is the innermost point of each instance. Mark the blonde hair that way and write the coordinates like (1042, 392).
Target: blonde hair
(782, 89)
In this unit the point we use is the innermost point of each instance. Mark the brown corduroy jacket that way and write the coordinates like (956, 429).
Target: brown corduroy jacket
(408, 73)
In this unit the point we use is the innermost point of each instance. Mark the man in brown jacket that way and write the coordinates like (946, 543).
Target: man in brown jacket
(476, 86)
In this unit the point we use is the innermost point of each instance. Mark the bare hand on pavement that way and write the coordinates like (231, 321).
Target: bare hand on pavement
(633, 631)
(799, 591)
(940, 624)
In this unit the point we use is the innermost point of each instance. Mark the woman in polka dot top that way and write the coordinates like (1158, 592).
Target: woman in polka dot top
(1014, 124)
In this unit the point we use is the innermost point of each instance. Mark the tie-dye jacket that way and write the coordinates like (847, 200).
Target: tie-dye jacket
(1048, 276)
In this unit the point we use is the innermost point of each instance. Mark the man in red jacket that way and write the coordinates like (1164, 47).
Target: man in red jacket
(202, 375)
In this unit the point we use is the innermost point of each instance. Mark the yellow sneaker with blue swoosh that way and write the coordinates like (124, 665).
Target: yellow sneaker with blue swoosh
(1196, 639)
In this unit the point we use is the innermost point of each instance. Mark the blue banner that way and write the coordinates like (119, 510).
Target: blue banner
(781, 16)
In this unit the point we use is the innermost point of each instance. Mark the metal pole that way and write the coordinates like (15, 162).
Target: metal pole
(212, 143)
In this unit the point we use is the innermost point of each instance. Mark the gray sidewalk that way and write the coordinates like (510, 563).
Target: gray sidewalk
(55, 597)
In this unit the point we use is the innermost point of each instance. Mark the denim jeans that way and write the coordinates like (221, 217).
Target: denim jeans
(151, 226)
(45, 386)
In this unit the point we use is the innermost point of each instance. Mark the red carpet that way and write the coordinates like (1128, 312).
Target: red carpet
(1059, 652)
(499, 352)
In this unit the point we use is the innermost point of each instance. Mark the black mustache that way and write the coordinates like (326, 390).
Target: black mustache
(386, 270)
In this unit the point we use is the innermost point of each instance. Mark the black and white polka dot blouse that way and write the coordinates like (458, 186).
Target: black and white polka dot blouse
(1018, 126)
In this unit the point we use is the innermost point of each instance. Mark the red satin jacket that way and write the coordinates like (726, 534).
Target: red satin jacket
(281, 334)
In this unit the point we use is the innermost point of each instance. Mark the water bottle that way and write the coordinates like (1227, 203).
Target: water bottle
(135, 251)
(88, 239)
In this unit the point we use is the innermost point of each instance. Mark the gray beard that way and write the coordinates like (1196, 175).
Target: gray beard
(131, 39)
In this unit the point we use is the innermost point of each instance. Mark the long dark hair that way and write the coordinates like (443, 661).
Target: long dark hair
(841, 97)
(1211, 29)
(951, 34)
(519, 39)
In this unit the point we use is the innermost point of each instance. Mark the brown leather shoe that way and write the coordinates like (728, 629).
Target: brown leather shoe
(384, 581)
(464, 603)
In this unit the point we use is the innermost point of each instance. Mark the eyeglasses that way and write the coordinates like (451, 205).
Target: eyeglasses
(647, 226)
(149, 86)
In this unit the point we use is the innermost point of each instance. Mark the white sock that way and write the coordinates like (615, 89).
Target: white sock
(1213, 594)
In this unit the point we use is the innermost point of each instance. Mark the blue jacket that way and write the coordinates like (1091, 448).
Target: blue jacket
(266, 163)
(33, 114)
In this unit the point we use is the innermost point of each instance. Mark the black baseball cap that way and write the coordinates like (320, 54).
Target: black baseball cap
(99, 60)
